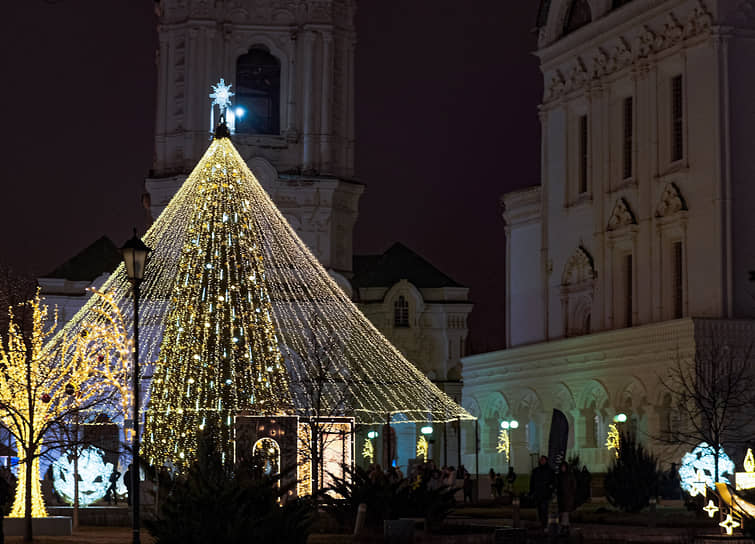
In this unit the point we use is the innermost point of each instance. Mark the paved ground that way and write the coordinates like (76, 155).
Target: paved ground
(89, 535)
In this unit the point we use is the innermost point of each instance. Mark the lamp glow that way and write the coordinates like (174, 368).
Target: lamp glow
(240, 112)
(427, 429)
(372, 434)
(504, 424)
(620, 418)
(513, 424)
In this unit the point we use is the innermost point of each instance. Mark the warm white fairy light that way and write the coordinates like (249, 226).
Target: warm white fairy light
(368, 451)
(422, 448)
(613, 441)
(504, 443)
(43, 386)
(223, 221)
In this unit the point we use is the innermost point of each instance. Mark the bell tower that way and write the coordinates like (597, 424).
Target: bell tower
(290, 64)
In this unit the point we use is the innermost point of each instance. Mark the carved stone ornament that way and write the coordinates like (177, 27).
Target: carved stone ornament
(621, 216)
(671, 201)
(579, 268)
(617, 53)
(745, 11)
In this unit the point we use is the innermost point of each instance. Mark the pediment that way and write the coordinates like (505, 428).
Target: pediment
(671, 201)
(621, 216)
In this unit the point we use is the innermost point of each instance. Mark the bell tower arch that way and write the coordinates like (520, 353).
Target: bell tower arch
(291, 67)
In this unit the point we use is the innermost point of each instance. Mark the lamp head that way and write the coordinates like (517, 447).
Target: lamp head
(135, 253)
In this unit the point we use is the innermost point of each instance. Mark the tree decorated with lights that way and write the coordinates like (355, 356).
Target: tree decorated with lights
(41, 391)
(239, 317)
(219, 354)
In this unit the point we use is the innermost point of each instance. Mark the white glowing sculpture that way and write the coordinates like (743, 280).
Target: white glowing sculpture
(94, 476)
(702, 460)
(221, 96)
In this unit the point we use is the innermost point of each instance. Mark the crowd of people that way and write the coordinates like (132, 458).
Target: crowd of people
(427, 474)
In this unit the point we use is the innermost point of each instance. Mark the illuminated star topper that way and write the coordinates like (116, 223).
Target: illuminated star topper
(222, 95)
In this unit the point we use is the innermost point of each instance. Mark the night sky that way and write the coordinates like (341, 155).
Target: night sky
(446, 122)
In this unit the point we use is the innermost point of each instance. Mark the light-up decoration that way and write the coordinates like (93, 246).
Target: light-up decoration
(422, 448)
(336, 455)
(221, 97)
(711, 508)
(368, 451)
(699, 486)
(372, 434)
(222, 218)
(304, 461)
(698, 469)
(746, 479)
(427, 429)
(613, 441)
(504, 444)
(94, 476)
(620, 418)
(267, 452)
(58, 375)
(729, 524)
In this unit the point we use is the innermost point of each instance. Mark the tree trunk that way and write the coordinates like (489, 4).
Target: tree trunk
(27, 499)
(76, 489)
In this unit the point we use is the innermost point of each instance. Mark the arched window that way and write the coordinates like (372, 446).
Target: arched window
(258, 75)
(401, 312)
(579, 15)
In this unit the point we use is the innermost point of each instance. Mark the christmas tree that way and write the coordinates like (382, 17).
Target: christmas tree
(237, 315)
(219, 353)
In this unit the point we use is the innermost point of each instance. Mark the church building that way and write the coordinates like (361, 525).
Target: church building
(634, 249)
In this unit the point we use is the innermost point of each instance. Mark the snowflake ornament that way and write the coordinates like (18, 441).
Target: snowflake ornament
(702, 460)
(222, 95)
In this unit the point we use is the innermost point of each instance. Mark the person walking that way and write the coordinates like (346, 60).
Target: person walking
(567, 492)
(541, 489)
(111, 495)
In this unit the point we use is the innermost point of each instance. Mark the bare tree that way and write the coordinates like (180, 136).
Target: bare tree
(714, 395)
(321, 391)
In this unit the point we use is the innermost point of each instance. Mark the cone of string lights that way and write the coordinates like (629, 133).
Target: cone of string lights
(239, 316)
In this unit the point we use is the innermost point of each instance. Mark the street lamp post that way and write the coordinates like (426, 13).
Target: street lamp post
(135, 253)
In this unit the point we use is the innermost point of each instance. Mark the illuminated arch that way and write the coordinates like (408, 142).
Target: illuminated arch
(267, 454)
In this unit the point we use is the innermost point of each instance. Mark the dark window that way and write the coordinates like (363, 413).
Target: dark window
(628, 136)
(579, 15)
(258, 92)
(677, 119)
(628, 290)
(678, 288)
(583, 154)
(401, 312)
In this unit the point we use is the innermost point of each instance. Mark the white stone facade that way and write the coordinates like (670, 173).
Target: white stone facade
(307, 166)
(434, 337)
(640, 227)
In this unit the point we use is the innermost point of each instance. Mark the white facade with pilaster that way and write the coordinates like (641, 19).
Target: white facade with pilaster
(639, 233)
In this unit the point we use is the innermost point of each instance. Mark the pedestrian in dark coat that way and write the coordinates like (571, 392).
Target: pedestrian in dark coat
(541, 489)
(567, 493)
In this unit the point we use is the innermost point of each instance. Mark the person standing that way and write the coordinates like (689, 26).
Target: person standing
(510, 479)
(127, 482)
(541, 489)
(567, 492)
